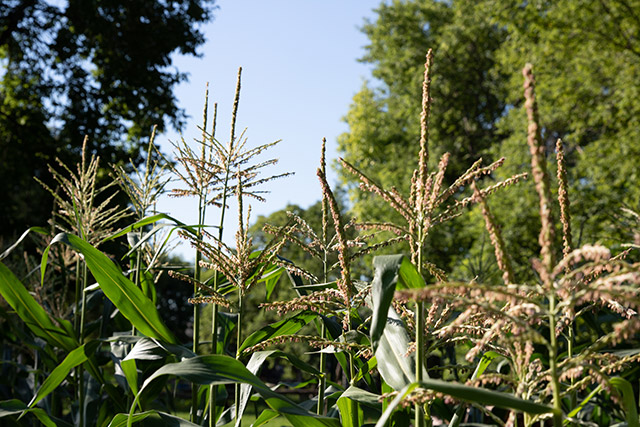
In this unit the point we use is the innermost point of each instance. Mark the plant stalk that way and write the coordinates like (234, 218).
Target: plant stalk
(553, 368)
(239, 343)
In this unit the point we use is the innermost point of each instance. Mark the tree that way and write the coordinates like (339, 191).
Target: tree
(587, 64)
(468, 99)
(76, 68)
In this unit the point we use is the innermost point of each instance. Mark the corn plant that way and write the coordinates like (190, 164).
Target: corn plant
(542, 350)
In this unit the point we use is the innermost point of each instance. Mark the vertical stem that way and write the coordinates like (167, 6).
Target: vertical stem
(419, 416)
(239, 342)
(80, 371)
(419, 315)
(196, 307)
(322, 382)
(553, 369)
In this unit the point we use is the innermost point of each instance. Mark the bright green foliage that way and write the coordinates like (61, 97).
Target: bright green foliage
(75, 68)
(586, 57)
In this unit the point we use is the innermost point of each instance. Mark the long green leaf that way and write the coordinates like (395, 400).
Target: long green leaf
(73, 359)
(266, 416)
(469, 394)
(15, 407)
(40, 230)
(123, 293)
(255, 363)
(31, 313)
(219, 369)
(351, 414)
(582, 404)
(120, 420)
(283, 327)
(150, 220)
(628, 400)
(383, 287)
(130, 373)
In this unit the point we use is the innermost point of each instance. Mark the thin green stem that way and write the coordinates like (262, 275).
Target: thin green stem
(80, 371)
(553, 368)
(419, 415)
(196, 307)
(239, 343)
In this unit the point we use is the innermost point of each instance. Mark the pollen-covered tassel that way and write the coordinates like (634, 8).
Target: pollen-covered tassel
(539, 169)
(495, 235)
(563, 199)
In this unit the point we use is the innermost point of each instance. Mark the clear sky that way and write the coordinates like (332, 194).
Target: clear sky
(300, 72)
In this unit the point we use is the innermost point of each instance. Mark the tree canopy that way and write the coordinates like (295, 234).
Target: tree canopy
(76, 68)
(587, 64)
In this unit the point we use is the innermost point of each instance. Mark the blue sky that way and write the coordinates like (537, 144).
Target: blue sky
(300, 72)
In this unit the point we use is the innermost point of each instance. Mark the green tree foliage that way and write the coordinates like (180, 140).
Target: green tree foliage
(76, 68)
(586, 57)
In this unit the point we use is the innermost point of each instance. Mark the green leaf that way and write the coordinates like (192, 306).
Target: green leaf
(31, 313)
(582, 404)
(482, 366)
(283, 327)
(266, 416)
(383, 287)
(351, 414)
(362, 396)
(469, 394)
(150, 220)
(73, 359)
(123, 293)
(15, 407)
(130, 373)
(120, 420)
(255, 363)
(410, 278)
(628, 400)
(40, 230)
(219, 369)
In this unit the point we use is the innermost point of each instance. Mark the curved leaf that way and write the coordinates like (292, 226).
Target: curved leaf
(283, 327)
(255, 363)
(219, 369)
(73, 359)
(120, 420)
(40, 230)
(123, 293)
(467, 393)
(628, 400)
(32, 313)
(150, 220)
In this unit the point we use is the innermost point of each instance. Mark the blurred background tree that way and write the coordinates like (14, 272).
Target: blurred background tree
(586, 58)
(73, 68)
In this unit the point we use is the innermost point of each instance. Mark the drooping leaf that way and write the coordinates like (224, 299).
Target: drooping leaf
(218, 369)
(120, 420)
(283, 327)
(150, 220)
(15, 407)
(40, 230)
(31, 313)
(469, 394)
(123, 293)
(255, 363)
(73, 359)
